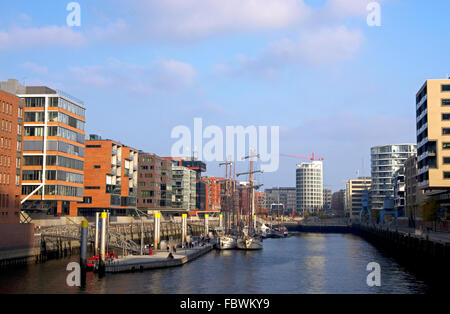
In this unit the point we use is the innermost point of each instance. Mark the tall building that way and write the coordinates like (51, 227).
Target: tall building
(433, 141)
(386, 160)
(357, 196)
(260, 203)
(399, 191)
(309, 186)
(326, 199)
(183, 188)
(414, 195)
(198, 167)
(337, 202)
(53, 149)
(282, 195)
(154, 183)
(110, 179)
(12, 232)
(213, 193)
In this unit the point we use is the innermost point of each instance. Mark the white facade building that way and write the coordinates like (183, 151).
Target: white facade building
(309, 186)
(385, 161)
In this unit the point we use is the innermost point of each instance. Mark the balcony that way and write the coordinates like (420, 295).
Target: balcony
(118, 163)
(114, 152)
(135, 167)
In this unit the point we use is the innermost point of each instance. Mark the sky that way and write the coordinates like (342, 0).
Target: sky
(333, 84)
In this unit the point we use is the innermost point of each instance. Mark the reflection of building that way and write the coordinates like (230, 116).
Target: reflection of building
(283, 195)
(386, 160)
(309, 186)
(12, 233)
(53, 149)
(414, 195)
(110, 180)
(337, 202)
(357, 196)
(326, 199)
(183, 188)
(154, 183)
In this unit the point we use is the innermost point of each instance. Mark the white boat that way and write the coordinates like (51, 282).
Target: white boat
(249, 243)
(226, 243)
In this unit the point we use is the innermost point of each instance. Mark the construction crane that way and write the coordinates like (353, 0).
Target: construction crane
(313, 158)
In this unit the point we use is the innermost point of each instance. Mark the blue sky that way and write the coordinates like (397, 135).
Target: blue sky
(333, 84)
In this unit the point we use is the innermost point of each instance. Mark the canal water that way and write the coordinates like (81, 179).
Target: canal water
(305, 263)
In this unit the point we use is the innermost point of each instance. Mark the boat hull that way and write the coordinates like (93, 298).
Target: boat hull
(226, 243)
(249, 243)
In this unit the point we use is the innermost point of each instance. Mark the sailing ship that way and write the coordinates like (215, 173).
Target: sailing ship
(248, 239)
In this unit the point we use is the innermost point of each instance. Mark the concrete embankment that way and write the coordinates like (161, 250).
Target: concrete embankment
(425, 257)
(158, 259)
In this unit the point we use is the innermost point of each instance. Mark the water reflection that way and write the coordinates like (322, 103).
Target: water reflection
(309, 263)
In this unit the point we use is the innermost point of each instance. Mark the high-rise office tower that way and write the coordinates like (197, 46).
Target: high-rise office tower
(309, 186)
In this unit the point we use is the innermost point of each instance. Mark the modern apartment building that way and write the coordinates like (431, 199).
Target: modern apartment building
(399, 191)
(326, 199)
(414, 195)
(213, 193)
(11, 133)
(385, 161)
(183, 188)
(154, 183)
(337, 202)
(282, 195)
(110, 179)
(12, 232)
(357, 196)
(53, 149)
(260, 203)
(309, 186)
(198, 167)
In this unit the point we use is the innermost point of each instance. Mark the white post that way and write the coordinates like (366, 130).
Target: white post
(183, 228)
(206, 225)
(221, 221)
(157, 218)
(103, 217)
(96, 233)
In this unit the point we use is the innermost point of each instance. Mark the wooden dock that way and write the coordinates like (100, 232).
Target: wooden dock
(158, 259)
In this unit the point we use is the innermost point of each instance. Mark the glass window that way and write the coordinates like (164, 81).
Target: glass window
(445, 102)
(446, 116)
(445, 131)
(446, 88)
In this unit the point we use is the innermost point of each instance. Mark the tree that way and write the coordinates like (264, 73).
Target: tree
(430, 211)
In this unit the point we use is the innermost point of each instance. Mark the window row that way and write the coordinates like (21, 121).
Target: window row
(5, 143)
(7, 108)
(54, 190)
(58, 146)
(52, 160)
(54, 131)
(54, 116)
(52, 175)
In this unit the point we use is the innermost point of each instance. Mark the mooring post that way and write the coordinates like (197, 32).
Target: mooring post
(157, 217)
(102, 244)
(83, 251)
(96, 233)
(206, 225)
(183, 228)
(220, 221)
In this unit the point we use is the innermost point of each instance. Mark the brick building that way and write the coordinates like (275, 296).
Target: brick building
(12, 233)
(111, 177)
(154, 183)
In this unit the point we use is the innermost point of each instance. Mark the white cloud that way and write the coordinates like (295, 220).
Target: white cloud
(34, 68)
(40, 37)
(193, 19)
(317, 47)
(163, 75)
